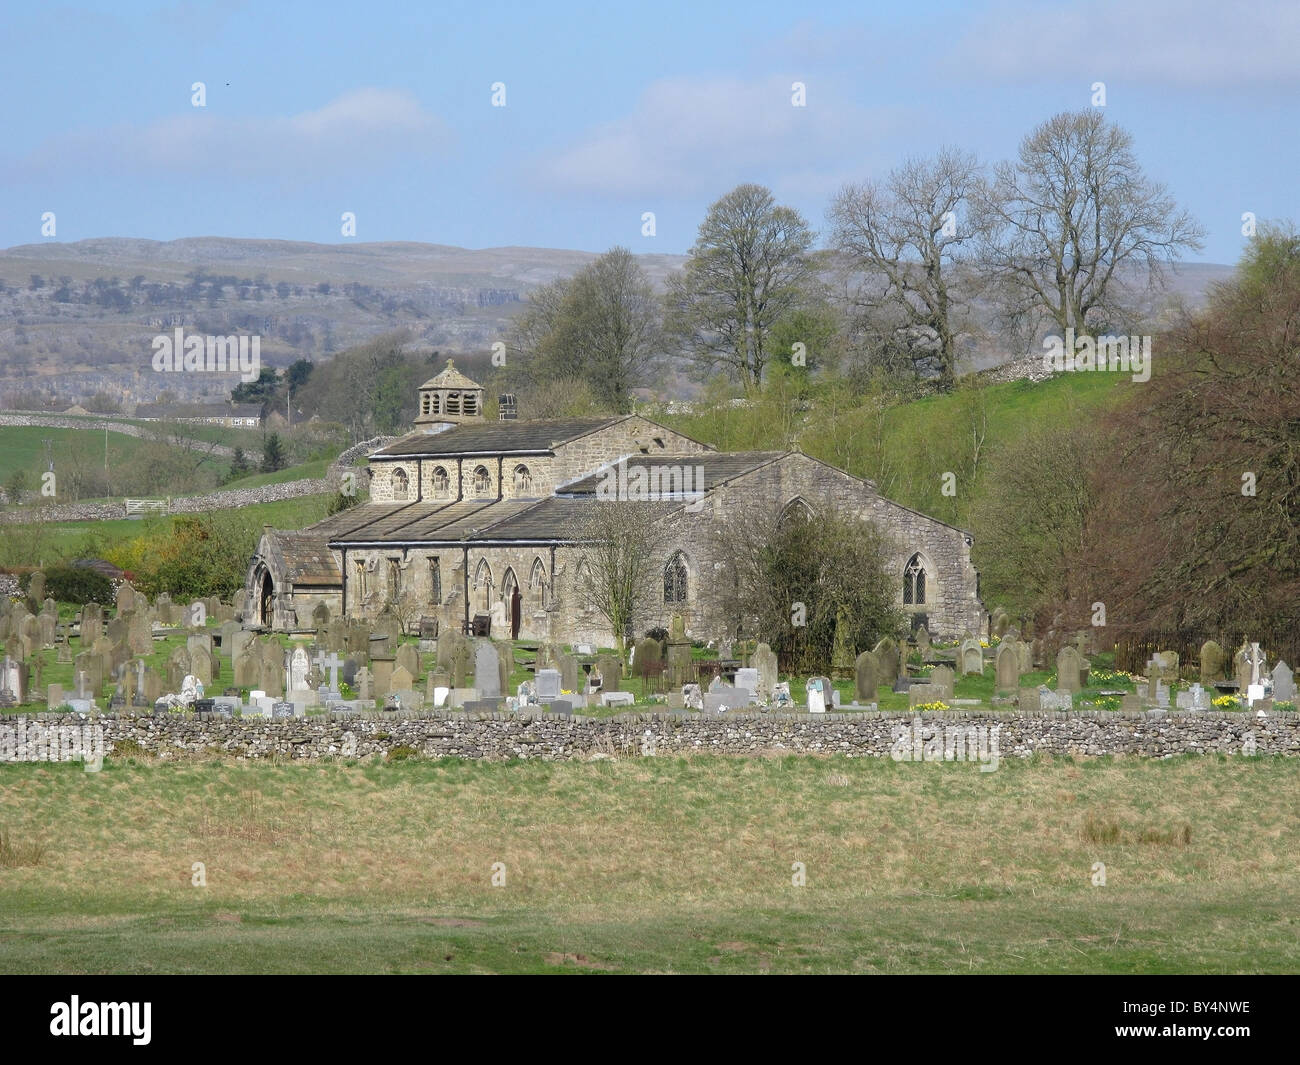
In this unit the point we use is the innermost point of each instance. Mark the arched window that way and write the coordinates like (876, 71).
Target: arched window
(482, 481)
(394, 579)
(914, 582)
(675, 579)
(582, 582)
(483, 587)
(401, 483)
(360, 580)
(441, 482)
(523, 480)
(435, 580)
(537, 584)
(796, 510)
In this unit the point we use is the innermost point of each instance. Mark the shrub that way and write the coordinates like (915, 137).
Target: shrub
(76, 584)
(402, 753)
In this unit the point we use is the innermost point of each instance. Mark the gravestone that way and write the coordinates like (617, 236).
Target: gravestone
(54, 696)
(461, 663)
(487, 669)
(1283, 683)
(200, 658)
(1131, 703)
(1214, 662)
(139, 636)
(570, 674)
(320, 617)
(887, 661)
(273, 668)
(647, 654)
(92, 623)
(364, 684)
(1165, 665)
(864, 677)
(747, 680)
(1028, 701)
(89, 666)
(36, 587)
(548, 684)
(299, 667)
(402, 681)
(611, 672)
(1068, 666)
(919, 694)
(282, 711)
(1006, 669)
(971, 658)
(942, 678)
(764, 660)
(923, 640)
(381, 672)
(409, 659)
(819, 694)
(178, 668)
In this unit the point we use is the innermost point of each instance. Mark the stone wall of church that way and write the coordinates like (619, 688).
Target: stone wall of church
(541, 476)
(952, 604)
(589, 453)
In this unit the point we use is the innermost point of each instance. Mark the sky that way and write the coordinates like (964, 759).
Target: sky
(611, 110)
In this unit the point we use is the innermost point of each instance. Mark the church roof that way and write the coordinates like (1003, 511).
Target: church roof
(496, 438)
(475, 521)
(450, 378)
(716, 467)
(302, 558)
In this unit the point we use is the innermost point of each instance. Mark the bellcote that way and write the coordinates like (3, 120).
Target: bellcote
(451, 398)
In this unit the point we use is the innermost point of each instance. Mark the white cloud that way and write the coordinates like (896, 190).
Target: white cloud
(355, 131)
(1188, 43)
(697, 135)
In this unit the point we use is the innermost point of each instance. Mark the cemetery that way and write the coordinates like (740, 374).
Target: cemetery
(353, 688)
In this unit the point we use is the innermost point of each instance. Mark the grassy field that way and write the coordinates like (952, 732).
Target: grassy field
(651, 865)
(89, 539)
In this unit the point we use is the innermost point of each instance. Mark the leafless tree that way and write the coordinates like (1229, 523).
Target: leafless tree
(1067, 219)
(901, 242)
(622, 544)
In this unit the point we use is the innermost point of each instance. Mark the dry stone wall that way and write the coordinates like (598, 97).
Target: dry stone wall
(498, 736)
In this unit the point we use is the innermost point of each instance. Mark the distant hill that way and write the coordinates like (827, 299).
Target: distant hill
(78, 319)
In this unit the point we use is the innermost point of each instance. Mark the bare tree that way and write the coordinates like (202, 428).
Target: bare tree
(622, 544)
(900, 242)
(1067, 217)
(747, 270)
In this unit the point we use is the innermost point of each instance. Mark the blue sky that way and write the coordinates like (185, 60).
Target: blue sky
(385, 110)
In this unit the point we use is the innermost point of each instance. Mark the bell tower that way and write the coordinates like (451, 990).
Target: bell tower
(449, 399)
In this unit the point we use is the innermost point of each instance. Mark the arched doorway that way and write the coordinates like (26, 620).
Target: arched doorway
(265, 599)
(513, 599)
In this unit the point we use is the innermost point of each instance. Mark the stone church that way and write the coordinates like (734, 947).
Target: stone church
(473, 519)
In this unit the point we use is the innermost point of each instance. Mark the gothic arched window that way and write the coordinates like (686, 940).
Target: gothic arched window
(401, 483)
(914, 582)
(482, 481)
(537, 584)
(523, 480)
(675, 579)
(441, 482)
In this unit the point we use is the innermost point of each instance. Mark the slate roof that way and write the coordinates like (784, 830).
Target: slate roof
(302, 558)
(717, 467)
(451, 378)
(496, 438)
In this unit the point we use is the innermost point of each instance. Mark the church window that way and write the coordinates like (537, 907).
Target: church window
(482, 481)
(675, 579)
(401, 483)
(537, 584)
(435, 580)
(441, 482)
(914, 582)
(523, 480)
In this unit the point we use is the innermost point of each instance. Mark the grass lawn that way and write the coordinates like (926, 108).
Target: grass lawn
(652, 865)
(77, 539)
